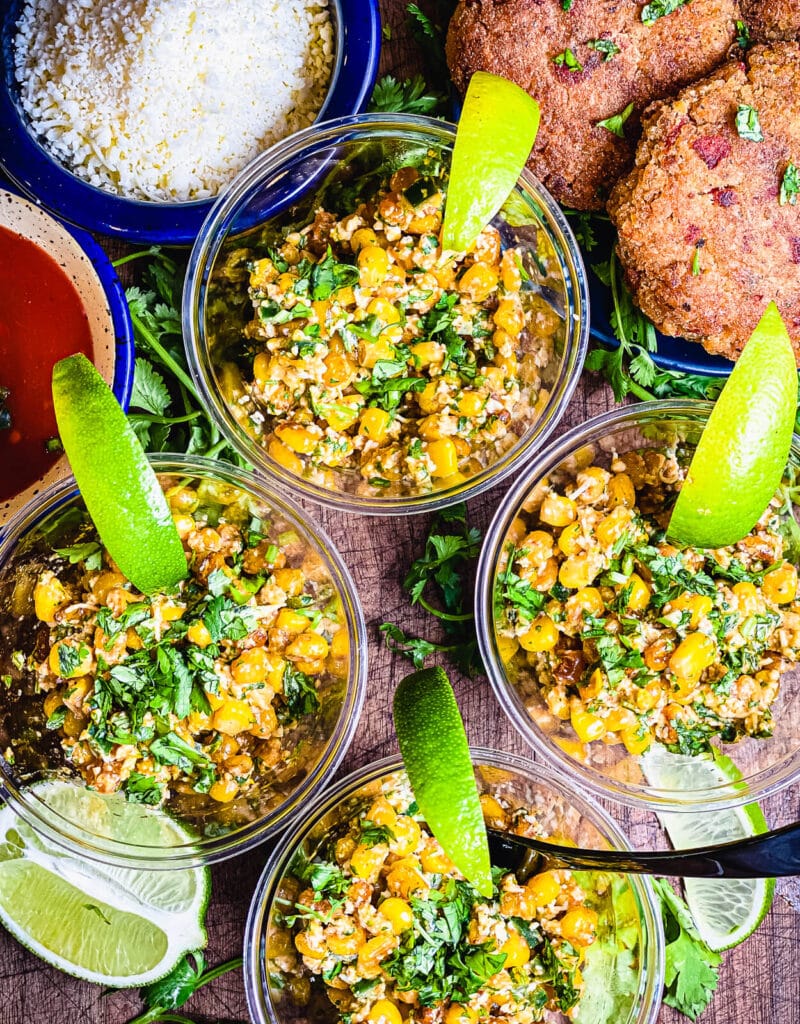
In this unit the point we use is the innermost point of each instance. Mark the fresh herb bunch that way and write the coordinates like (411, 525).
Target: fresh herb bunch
(171, 992)
(451, 548)
(166, 410)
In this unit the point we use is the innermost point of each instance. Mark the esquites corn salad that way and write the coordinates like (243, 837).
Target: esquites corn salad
(377, 355)
(627, 637)
(395, 933)
(191, 692)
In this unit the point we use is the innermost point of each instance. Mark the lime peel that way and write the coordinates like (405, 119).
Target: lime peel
(430, 732)
(118, 484)
(741, 456)
(496, 132)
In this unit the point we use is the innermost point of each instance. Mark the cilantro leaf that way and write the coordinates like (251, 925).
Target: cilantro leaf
(691, 967)
(790, 185)
(299, 693)
(659, 9)
(90, 553)
(149, 390)
(615, 123)
(567, 59)
(407, 97)
(748, 125)
(606, 47)
(143, 789)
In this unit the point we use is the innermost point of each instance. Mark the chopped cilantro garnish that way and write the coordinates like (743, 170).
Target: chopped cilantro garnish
(790, 185)
(511, 589)
(659, 9)
(615, 124)
(743, 35)
(567, 59)
(90, 553)
(70, 657)
(606, 47)
(747, 123)
(143, 789)
(373, 835)
(299, 693)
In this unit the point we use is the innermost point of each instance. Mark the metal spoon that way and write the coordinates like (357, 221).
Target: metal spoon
(770, 855)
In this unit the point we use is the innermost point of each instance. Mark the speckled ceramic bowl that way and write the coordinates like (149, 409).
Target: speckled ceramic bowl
(94, 278)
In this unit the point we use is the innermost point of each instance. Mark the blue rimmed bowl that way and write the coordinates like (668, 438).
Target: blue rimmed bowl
(40, 176)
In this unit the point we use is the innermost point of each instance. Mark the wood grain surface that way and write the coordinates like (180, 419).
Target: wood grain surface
(759, 981)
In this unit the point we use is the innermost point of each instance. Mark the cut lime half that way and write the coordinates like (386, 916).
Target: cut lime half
(111, 926)
(726, 911)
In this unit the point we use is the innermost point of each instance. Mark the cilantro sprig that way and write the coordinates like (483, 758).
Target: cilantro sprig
(691, 974)
(171, 992)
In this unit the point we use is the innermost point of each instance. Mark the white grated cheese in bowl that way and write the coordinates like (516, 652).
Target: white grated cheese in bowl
(169, 99)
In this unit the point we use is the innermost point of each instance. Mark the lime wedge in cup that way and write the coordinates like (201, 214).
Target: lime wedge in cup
(496, 132)
(741, 456)
(121, 491)
(112, 926)
(435, 751)
(725, 911)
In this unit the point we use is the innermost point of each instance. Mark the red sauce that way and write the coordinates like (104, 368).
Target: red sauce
(42, 319)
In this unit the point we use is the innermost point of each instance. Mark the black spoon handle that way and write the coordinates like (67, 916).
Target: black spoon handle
(771, 855)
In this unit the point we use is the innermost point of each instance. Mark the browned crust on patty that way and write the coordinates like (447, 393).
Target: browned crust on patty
(771, 20)
(698, 188)
(576, 160)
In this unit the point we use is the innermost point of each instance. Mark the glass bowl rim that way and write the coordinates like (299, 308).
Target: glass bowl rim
(652, 974)
(206, 249)
(206, 850)
(596, 782)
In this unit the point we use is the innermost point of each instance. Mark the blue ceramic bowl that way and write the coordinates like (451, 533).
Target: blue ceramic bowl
(44, 179)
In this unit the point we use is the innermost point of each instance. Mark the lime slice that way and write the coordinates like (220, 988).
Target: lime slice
(112, 926)
(119, 487)
(496, 132)
(725, 911)
(741, 456)
(435, 751)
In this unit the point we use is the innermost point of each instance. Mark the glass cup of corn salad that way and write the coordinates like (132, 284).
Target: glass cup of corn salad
(624, 659)
(346, 355)
(226, 703)
(360, 916)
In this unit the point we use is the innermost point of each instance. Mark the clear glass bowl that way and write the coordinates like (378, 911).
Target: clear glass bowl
(31, 754)
(766, 765)
(283, 187)
(631, 996)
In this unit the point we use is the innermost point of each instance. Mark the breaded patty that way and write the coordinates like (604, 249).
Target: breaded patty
(620, 60)
(703, 235)
(771, 20)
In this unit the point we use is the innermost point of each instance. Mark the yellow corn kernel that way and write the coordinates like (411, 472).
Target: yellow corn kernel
(404, 878)
(509, 316)
(184, 524)
(495, 379)
(398, 913)
(340, 645)
(169, 610)
(507, 646)
(587, 599)
(291, 621)
(621, 491)
(344, 413)
(692, 656)
(266, 722)
(285, 282)
(233, 717)
(304, 947)
(223, 790)
(577, 572)
(612, 526)
(591, 484)
(198, 634)
(516, 949)
(557, 510)
(373, 952)
(579, 926)
(363, 237)
(435, 861)
(367, 861)
(541, 636)
(48, 596)
(383, 1011)
(275, 670)
(299, 439)
(634, 742)
(381, 812)
(648, 696)
(478, 282)
(510, 272)
(309, 646)
(384, 310)
(588, 727)
(251, 666)
(103, 584)
(470, 403)
(508, 364)
(444, 456)
(285, 457)
(373, 266)
(406, 836)
(374, 424)
(569, 537)
(428, 399)
(262, 367)
(427, 352)
(780, 585)
(543, 889)
(291, 581)
(593, 686)
(459, 1014)
(638, 593)
(746, 597)
(620, 718)
(557, 704)
(698, 604)
(52, 701)
(345, 945)
(62, 656)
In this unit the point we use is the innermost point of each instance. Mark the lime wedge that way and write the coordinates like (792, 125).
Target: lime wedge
(119, 487)
(741, 456)
(496, 132)
(435, 751)
(112, 926)
(725, 911)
